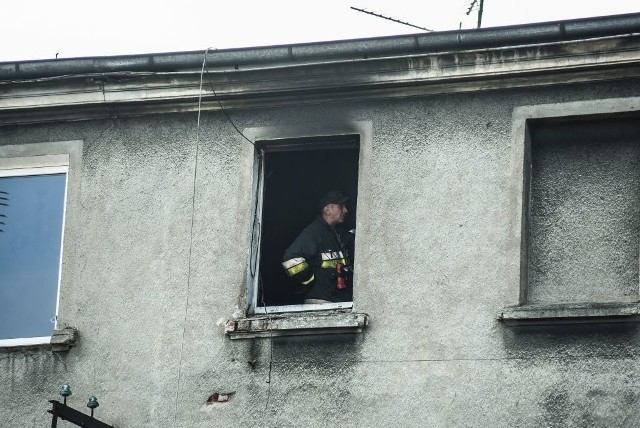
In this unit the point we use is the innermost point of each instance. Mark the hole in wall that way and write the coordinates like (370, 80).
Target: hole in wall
(219, 397)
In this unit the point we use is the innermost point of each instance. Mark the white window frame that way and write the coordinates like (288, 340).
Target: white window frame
(41, 159)
(275, 133)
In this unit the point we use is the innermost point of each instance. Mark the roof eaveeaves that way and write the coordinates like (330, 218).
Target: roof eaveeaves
(393, 46)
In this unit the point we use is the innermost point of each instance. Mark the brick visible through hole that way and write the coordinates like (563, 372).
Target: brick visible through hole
(219, 397)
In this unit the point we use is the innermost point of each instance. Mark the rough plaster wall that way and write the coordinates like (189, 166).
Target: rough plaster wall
(127, 299)
(585, 212)
(433, 270)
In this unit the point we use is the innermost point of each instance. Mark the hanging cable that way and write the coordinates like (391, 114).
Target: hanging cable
(255, 224)
(205, 69)
(193, 207)
(270, 329)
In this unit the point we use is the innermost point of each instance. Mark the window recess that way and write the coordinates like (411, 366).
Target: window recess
(292, 175)
(579, 210)
(41, 184)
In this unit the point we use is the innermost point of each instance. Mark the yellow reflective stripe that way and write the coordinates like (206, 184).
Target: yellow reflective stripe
(297, 268)
(330, 259)
(332, 264)
(309, 280)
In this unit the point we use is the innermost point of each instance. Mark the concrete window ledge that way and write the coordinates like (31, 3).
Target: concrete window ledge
(570, 313)
(62, 340)
(330, 322)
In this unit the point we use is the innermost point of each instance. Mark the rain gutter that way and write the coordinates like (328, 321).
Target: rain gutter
(310, 53)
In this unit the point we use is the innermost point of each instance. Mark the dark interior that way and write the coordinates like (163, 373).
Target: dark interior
(295, 180)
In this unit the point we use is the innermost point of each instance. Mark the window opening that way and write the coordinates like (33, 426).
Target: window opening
(294, 175)
(32, 211)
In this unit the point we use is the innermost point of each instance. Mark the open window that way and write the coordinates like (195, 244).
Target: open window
(292, 176)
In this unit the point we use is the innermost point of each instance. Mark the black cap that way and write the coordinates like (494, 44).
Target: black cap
(333, 197)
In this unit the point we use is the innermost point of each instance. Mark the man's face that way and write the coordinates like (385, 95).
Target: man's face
(335, 213)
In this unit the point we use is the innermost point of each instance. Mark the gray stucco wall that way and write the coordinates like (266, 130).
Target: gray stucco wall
(585, 211)
(161, 262)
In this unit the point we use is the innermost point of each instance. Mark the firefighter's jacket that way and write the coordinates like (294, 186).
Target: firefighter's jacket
(312, 258)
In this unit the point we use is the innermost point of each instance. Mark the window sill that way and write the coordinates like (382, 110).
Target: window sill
(330, 322)
(60, 341)
(302, 308)
(570, 313)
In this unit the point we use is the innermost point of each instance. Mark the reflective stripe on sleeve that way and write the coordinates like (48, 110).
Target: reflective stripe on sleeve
(295, 265)
(309, 280)
(292, 262)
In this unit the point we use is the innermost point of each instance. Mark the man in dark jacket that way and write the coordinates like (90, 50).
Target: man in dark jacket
(318, 258)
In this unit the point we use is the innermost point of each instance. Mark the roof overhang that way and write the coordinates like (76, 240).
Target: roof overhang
(123, 89)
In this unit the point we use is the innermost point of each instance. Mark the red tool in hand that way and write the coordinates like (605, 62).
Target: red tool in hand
(341, 277)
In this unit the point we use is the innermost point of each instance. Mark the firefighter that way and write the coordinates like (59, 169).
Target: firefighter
(318, 258)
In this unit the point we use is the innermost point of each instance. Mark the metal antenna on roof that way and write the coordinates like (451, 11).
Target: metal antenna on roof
(390, 19)
(472, 6)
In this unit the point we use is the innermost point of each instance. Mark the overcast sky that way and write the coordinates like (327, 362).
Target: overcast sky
(40, 29)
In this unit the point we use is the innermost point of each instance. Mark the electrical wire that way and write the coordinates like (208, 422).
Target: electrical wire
(193, 207)
(256, 224)
(270, 329)
(206, 70)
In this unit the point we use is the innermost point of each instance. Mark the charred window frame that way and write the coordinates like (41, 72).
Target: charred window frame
(290, 175)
